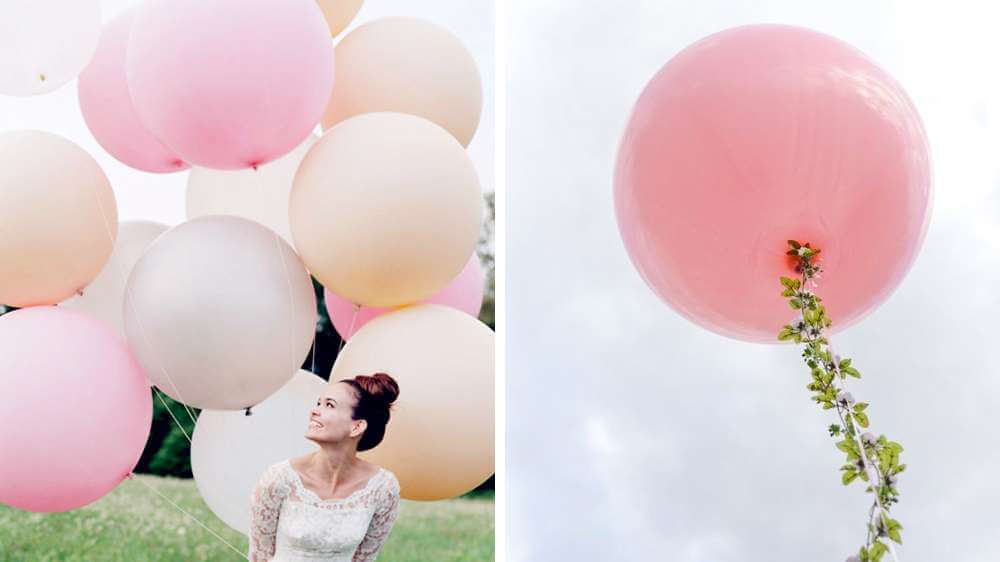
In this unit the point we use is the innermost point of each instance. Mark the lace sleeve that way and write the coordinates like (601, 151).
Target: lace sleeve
(381, 523)
(265, 505)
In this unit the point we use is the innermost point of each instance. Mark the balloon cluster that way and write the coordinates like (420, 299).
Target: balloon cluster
(384, 209)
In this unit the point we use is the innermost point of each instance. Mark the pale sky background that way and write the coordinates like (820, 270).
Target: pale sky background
(633, 434)
(160, 198)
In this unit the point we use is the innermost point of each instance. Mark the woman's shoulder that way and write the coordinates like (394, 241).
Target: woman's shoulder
(389, 482)
(275, 474)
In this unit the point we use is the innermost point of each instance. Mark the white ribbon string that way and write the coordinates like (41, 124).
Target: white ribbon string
(864, 456)
(195, 519)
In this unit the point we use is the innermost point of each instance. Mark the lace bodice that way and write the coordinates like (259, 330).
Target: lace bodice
(290, 523)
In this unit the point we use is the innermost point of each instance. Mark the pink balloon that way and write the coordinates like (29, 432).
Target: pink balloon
(761, 134)
(75, 411)
(230, 84)
(465, 293)
(107, 106)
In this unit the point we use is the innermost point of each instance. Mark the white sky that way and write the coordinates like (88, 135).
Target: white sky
(161, 197)
(635, 435)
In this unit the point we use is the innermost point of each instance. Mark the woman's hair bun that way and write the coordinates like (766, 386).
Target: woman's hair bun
(380, 387)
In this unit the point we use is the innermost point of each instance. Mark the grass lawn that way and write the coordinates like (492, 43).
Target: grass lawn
(133, 523)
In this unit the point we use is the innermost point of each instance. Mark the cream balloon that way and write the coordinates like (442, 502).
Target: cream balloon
(339, 13)
(260, 195)
(386, 209)
(222, 312)
(439, 440)
(230, 451)
(45, 43)
(104, 297)
(410, 66)
(58, 218)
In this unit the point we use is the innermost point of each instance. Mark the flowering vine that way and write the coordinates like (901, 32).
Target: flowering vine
(871, 459)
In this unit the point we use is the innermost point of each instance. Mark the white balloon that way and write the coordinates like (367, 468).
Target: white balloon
(45, 43)
(104, 297)
(260, 195)
(222, 312)
(230, 450)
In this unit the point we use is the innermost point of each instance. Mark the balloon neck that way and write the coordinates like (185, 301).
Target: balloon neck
(248, 412)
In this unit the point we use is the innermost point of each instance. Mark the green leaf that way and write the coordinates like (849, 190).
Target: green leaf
(860, 407)
(852, 372)
(795, 303)
(862, 418)
(848, 477)
(785, 334)
(877, 551)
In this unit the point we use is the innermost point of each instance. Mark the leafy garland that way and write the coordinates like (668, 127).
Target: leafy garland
(829, 376)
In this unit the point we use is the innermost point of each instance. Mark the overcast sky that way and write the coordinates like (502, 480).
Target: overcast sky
(161, 197)
(635, 435)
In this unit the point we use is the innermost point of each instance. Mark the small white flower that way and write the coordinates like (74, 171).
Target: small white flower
(845, 397)
(868, 438)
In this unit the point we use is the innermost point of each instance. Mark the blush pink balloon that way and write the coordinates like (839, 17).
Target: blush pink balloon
(107, 106)
(230, 84)
(761, 134)
(75, 411)
(465, 293)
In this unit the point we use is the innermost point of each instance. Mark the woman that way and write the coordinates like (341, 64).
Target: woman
(330, 505)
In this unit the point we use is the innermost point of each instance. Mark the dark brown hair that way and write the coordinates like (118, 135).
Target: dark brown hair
(375, 395)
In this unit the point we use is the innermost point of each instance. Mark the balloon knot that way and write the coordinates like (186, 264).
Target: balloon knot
(41, 77)
(248, 412)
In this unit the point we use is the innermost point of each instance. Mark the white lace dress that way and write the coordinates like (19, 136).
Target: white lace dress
(290, 523)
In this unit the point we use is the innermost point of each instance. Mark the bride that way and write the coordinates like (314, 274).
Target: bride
(330, 505)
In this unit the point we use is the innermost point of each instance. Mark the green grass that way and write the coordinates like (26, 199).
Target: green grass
(133, 523)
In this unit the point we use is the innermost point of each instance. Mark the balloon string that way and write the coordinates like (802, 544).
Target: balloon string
(864, 459)
(131, 476)
(130, 302)
(343, 340)
(167, 408)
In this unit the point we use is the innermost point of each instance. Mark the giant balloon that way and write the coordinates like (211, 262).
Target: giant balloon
(230, 450)
(230, 84)
(108, 109)
(222, 312)
(761, 134)
(75, 410)
(386, 209)
(464, 293)
(260, 195)
(58, 218)
(104, 297)
(45, 43)
(409, 66)
(439, 440)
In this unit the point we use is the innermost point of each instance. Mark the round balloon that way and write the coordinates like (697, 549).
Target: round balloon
(762, 134)
(58, 218)
(75, 411)
(104, 297)
(386, 209)
(222, 312)
(260, 195)
(439, 442)
(45, 43)
(339, 13)
(230, 450)
(230, 84)
(107, 105)
(464, 293)
(411, 66)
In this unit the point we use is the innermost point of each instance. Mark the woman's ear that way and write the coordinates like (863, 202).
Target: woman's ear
(358, 427)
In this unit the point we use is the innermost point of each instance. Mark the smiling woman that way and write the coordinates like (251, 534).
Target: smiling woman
(329, 504)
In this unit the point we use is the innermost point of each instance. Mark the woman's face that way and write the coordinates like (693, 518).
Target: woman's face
(330, 419)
